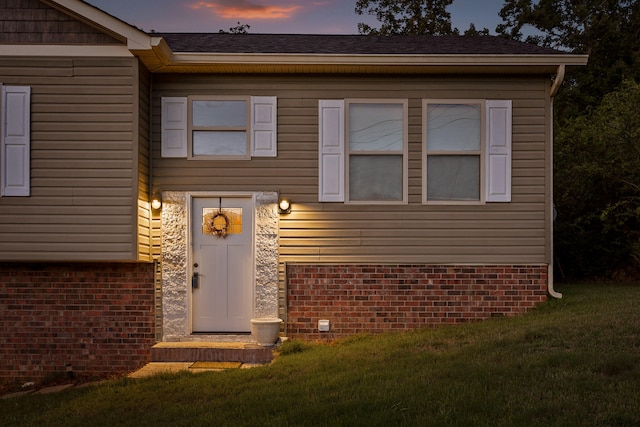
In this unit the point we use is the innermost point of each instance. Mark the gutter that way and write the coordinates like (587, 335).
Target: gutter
(554, 90)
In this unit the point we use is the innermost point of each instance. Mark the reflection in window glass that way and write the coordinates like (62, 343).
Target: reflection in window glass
(453, 178)
(375, 178)
(453, 127)
(376, 127)
(219, 113)
(219, 143)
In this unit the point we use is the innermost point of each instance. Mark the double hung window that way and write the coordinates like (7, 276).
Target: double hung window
(377, 151)
(453, 151)
(219, 127)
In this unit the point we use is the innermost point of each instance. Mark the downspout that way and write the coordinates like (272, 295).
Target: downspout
(557, 82)
(554, 90)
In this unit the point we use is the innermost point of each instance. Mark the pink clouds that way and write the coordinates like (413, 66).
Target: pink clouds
(247, 9)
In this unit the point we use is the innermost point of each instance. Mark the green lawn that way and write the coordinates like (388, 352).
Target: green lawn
(570, 362)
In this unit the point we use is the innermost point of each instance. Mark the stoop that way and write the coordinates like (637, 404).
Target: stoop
(212, 352)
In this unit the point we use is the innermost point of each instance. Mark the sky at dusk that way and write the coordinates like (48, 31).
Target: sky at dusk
(274, 16)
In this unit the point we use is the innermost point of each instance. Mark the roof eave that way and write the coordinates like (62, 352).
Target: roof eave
(164, 60)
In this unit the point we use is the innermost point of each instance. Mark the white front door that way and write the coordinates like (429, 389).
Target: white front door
(222, 264)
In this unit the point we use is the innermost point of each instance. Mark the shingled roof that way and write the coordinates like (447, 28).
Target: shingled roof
(225, 43)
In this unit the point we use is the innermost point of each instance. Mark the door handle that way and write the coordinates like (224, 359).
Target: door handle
(195, 280)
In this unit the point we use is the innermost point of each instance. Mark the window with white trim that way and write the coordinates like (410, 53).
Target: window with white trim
(15, 140)
(467, 151)
(219, 127)
(453, 146)
(363, 151)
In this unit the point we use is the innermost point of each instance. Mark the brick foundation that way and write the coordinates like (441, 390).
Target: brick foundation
(381, 298)
(98, 319)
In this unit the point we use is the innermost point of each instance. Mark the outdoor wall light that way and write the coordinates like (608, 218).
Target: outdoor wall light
(284, 207)
(156, 203)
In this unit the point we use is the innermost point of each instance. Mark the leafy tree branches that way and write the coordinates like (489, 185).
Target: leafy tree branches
(407, 17)
(597, 187)
(607, 30)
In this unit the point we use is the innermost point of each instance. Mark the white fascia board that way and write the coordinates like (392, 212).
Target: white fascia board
(162, 50)
(187, 58)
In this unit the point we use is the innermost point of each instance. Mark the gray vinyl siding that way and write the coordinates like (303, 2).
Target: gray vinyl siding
(501, 233)
(84, 162)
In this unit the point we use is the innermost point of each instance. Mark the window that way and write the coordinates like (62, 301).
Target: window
(363, 151)
(228, 219)
(212, 127)
(218, 127)
(453, 146)
(15, 140)
(467, 151)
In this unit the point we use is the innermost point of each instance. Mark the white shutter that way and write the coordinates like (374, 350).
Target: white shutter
(174, 127)
(15, 140)
(264, 136)
(498, 177)
(331, 154)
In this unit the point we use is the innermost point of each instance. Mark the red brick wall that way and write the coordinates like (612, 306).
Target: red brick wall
(380, 298)
(98, 318)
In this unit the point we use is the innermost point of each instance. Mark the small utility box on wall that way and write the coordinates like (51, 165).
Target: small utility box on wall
(323, 325)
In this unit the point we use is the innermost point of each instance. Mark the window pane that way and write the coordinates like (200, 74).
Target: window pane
(375, 178)
(213, 143)
(453, 178)
(375, 127)
(453, 127)
(220, 113)
(211, 220)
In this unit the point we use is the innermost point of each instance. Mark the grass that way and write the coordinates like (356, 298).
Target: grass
(574, 361)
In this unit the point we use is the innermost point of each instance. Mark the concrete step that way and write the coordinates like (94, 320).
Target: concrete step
(211, 352)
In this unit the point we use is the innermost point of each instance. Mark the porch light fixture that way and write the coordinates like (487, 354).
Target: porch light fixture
(156, 203)
(284, 207)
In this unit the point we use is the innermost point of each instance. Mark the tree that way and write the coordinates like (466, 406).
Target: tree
(239, 29)
(607, 30)
(597, 187)
(407, 17)
(472, 31)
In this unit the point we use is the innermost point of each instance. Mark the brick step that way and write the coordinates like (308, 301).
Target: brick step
(211, 352)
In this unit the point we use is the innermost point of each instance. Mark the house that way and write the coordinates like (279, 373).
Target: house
(142, 176)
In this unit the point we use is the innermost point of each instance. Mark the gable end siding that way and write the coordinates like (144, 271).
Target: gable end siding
(33, 22)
